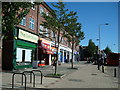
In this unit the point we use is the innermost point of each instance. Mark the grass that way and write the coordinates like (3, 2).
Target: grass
(55, 74)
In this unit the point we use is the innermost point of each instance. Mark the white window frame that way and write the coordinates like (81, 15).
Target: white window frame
(47, 13)
(41, 10)
(41, 29)
(47, 32)
(33, 8)
(28, 53)
(31, 23)
(23, 21)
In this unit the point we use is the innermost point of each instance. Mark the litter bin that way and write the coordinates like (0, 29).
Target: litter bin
(35, 64)
(59, 62)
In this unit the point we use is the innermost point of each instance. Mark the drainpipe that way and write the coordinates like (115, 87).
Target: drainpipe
(37, 30)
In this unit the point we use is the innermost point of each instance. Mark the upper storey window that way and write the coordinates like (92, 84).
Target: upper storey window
(41, 29)
(47, 13)
(31, 23)
(23, 22)
(41, 10)
(33, 8)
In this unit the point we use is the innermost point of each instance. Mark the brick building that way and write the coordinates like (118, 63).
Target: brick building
(27, 43)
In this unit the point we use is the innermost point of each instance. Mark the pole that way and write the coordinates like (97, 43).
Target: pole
(37, 32)
(99, 50)
(114, 72)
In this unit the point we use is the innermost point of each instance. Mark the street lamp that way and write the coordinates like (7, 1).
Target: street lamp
(99, 45)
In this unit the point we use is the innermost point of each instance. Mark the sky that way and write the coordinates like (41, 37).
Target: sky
(91, 15)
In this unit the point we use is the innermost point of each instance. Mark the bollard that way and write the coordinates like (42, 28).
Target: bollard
(98, 65)
(102, 68)
(114, 72)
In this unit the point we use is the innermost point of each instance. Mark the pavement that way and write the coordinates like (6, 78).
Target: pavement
(87, 76)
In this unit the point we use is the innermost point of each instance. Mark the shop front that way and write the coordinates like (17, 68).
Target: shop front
(44, 52)
(65, 54)
(54, 50)
(21, 50)
(25, 46)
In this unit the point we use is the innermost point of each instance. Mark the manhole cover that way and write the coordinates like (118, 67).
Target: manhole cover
(75, 80)
(94, 74)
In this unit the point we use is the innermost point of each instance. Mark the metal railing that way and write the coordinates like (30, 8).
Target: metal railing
(24, 74)
(22, 81)
(31, 72)
(41, 74)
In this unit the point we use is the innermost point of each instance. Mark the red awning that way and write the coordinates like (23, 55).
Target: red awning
(45, 50)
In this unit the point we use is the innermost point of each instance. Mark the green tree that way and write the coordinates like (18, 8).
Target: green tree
(107, 50)
(56, 22)
(74, 33)
(91, 49)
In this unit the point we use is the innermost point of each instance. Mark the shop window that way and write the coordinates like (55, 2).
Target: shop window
(28, 55)
(24, 56)
(23, 21)
(31, 23)
(19, 55)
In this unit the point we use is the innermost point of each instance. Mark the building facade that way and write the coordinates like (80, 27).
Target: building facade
(28, 42)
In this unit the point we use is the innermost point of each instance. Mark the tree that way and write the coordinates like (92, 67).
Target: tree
(107, 50)
(74, 33)
(91, 49)
(56, 22)
(13, 13)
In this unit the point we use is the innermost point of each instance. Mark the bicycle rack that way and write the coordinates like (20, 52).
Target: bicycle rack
(22, 81)
(40, 72)
(23, 74)
(31, 72)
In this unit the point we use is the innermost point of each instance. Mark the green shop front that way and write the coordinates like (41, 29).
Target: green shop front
(24, 49)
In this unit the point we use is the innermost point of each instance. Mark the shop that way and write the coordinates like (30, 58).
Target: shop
(44, 52)
(54, 50)
(65, 53)
(23, 48)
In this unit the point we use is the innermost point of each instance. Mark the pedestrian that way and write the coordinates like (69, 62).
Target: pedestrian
(103, 56)
(54, 63)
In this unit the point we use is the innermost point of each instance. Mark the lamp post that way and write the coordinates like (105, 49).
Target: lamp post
(99, 46)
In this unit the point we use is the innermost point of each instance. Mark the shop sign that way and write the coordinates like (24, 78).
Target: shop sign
(45, 41)
(27, 36)
(54, 50)
(46, 45)
(53, 44)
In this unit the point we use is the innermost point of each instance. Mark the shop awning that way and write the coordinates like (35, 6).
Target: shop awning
(44, 46)
(45, 50)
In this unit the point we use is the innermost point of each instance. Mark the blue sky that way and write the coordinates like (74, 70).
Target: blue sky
(90, 15)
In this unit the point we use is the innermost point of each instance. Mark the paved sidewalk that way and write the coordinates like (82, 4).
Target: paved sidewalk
(87, 76)
(7, 76)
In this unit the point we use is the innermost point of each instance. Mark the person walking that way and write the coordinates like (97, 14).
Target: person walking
(53, 63)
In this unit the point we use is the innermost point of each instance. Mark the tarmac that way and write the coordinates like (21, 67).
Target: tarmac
(86, 76)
